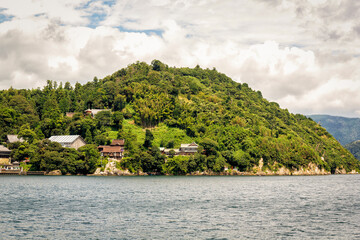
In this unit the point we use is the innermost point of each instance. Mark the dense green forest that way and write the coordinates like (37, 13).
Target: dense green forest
(234, 125)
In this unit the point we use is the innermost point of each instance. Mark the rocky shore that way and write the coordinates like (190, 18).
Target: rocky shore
(312, 169)
(259, 170)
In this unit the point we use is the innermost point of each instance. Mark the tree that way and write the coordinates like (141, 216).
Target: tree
(90, 155)
(103, 118)
(118, 119)
(27, 134)
(88, 136)
(210, 146)
(148, 139)
(22, 150)
(64, 104)
(157, 65)
(51, 109)
(102, 139)
(170, 144)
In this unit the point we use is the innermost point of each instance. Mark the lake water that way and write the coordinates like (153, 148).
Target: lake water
(239, 207)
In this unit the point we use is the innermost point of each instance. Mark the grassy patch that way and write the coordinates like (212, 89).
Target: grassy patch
(161, 133)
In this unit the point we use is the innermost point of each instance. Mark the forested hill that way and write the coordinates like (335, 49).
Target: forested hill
(234, 124)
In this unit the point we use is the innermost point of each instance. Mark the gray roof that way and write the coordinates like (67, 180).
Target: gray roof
(14, 138)
(64, 138)
(4, 149)
(189, 145)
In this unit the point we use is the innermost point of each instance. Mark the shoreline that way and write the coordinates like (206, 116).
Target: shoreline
(247, 174)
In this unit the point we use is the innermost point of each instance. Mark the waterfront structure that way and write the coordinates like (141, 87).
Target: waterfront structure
(114, 150)
(69, 141)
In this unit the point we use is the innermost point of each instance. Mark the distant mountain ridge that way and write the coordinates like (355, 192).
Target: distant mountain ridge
(354, 148)
(345, 130)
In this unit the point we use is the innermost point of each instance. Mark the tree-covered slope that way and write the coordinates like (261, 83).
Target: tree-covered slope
(345, 130)
(235, 125)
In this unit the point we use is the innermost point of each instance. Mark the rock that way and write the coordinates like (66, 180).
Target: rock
(54, 173)
(340, 171)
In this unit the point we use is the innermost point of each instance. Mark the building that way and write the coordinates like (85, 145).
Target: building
(13, 139)
(185, 149)
(93, 112)
(4, 155)
(69, 141)
(114, 150)
(188, 149)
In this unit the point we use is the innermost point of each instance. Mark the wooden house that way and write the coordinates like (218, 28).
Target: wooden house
(114, 150)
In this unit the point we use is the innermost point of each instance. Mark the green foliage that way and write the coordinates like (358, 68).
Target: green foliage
(177, 165)
(48, 156)
(149, 137)
(234, 125)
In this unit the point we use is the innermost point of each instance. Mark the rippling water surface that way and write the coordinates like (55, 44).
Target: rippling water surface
(73, 207)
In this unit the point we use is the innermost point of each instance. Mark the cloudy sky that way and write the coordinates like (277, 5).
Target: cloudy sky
(303, 54)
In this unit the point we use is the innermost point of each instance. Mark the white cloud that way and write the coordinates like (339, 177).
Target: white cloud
(293, 51)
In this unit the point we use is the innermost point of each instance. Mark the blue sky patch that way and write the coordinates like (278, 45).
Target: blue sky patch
(40, 14)
(110, 3)
(95, 19)
(96, 16)
(158, 32)
(4, 17)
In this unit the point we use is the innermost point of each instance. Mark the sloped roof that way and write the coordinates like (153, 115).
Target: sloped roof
(14, 138)
(191, 145)
(4, 149)
(109, 149)
(118, 142)
(65, 138)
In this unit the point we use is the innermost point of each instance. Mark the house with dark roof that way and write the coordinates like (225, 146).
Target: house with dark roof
(69, 141)
(114, 150)
(4, 155)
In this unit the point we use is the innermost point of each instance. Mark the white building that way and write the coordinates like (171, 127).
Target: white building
(69, 141)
